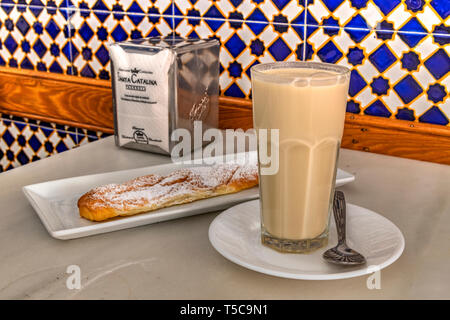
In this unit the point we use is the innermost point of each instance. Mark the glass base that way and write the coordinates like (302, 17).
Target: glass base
(294, 246)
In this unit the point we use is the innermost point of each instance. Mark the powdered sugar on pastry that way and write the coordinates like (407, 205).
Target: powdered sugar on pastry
(153, 192)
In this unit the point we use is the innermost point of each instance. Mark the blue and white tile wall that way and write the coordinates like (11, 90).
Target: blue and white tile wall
(25, 140)
(398, 50)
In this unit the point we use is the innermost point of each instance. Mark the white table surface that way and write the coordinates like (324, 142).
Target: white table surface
(174, 259)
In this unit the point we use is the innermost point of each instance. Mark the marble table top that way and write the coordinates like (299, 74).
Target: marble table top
(174, 259)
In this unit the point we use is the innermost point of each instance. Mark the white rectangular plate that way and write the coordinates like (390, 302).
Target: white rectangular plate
(56, 202)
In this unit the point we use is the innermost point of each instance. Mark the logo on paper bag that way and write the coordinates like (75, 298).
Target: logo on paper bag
(135, 79)
(139, 136)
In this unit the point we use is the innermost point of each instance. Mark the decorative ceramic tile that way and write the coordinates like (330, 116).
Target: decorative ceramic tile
(405, 15)
(34, 38)
(398, 50)
(21, 143)
(393, 75)
(244, 44)
(128, 6)
(278, 11)
(39, 123)
(36, 3)
(85, 136)
(93, 30)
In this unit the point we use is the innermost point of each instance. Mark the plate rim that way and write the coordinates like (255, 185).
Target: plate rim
(286, 275)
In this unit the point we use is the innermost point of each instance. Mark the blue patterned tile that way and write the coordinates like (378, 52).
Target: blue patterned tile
(378, 108)
(38, 123)
(405, 114)
(395, 14)
(33, 38)
(380, 86)
(357, 83)
(277, 11)
(408, 89)
(410, 61)
(438, 64)
(382, 58)
(389, 77)
(441, 34)
(92, 33)
(37, 3)
(442, 7)
(244, 44)
(85, 136)
(22, 142)
(436, 93)
(387, 6)
(434, 115)
(128, 6)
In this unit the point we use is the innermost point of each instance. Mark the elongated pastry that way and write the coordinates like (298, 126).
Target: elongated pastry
(154, 192)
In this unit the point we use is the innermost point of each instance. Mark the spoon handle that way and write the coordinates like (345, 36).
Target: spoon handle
(339, 209)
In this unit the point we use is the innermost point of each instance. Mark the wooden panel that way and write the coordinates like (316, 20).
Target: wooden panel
(87, 103)
(398, 138)
(234, 118)
(56, 98)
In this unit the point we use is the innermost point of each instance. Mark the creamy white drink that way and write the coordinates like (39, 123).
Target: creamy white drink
(306, 102)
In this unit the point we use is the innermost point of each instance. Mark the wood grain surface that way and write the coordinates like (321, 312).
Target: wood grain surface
(87, 103)
(70, 100)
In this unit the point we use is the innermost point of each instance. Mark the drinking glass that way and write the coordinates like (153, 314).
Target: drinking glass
(306, 103)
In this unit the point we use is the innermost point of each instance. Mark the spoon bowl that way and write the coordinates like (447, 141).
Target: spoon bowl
(344, 255)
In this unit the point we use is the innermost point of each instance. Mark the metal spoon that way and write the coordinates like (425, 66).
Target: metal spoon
(342, 254)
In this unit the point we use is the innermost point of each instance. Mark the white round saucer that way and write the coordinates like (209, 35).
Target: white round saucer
(235, 234)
